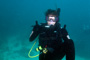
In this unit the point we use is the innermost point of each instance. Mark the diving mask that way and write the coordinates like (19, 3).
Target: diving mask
(52, 18)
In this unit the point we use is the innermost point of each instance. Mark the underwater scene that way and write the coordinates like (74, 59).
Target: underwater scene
(18, 16)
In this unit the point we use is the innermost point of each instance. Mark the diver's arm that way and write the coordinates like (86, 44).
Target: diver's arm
(65, 34)
(66, 38)
(35, 32)
(33, 35)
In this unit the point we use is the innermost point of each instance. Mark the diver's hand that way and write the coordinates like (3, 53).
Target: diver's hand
(35, 31)
(36, 27)
(64, 31)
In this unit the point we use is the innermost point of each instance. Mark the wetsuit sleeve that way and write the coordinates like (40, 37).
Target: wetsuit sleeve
(65, 34)
(34, 33)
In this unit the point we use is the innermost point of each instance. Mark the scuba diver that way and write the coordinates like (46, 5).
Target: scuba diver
(54, 41)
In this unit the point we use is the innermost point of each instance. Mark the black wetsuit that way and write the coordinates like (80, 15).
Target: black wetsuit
(56, 40)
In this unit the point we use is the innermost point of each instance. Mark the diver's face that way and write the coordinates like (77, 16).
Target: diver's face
(51, 20)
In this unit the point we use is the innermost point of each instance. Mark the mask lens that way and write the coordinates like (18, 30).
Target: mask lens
(51, 18)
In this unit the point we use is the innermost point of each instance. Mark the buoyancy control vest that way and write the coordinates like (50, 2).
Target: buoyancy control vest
(50, 36)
